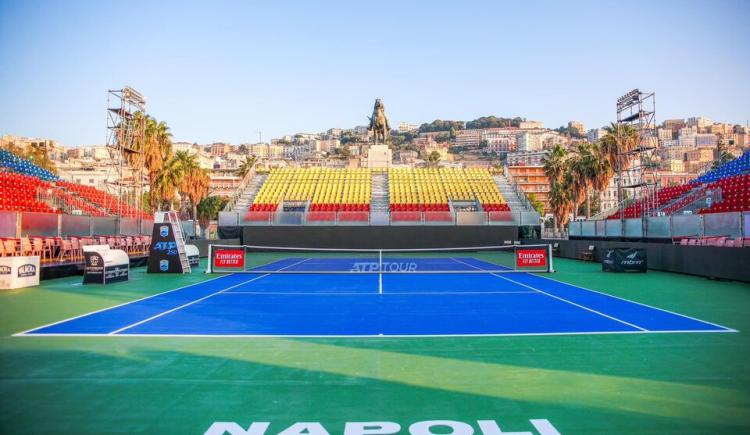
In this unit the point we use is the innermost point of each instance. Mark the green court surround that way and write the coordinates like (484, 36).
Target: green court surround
(639, 383)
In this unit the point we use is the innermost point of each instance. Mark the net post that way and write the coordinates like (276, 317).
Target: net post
(380, 271)
(210, 258)
(549, 256)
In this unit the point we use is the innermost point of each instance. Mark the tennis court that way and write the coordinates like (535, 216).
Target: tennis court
(364, 295)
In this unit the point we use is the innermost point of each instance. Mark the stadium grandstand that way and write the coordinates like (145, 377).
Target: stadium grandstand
(728, 186)
(412, 195)
(39, 196)
(710, 210)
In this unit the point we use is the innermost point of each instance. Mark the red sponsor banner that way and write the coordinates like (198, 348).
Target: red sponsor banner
(232, 258)
(531, 257)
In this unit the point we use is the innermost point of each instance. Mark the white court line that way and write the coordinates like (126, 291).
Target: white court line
(521, 334)
(118, 305)
(561, 299)
(19, 334)
(372, 294)
(633, 302)
(196, 301)
(640, 303)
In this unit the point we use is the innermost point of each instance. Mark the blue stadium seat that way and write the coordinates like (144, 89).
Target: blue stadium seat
(22, 166)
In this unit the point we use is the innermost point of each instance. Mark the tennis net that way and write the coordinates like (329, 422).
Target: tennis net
(483, 259)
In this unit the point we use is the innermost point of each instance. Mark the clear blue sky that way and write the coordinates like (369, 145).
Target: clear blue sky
(221, 71)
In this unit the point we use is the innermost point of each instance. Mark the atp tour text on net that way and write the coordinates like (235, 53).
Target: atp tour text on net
(429, 427)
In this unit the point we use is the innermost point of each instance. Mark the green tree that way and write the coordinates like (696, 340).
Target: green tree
(194, 182)
(440, 125)
(37, 154)
(165, 184)
(344, 152)
(493, 122)
(349, 137)
(618, 144)
(536, 203)
(433, 158)
(156, 148)
(724, 157)
(557, 169)
(209, 208)
(246, 165)
(583, 166)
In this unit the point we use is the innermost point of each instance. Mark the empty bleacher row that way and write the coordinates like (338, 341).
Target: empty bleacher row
(663, 197)
(326, 189)
(20, 193)
(14, 163)
(735, 194)
(327, 194)
(102, 200)
(730, 183)
(26, 187)
(433, 189)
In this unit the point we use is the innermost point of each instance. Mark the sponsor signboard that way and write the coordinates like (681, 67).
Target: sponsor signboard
(531, 258)
(229, 258)
(103, 265)
(163, 256)
(18, 272)
(625, 260)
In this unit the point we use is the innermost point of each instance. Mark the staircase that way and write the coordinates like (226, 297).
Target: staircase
(247, 195)
(54, 198)
(179, 238)
(692, 201)
(513, 199)
(380, 199)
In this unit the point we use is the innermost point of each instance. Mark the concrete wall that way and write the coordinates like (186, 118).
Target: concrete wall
(708, 261)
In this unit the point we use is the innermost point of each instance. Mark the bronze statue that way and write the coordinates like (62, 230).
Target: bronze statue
(379, 123)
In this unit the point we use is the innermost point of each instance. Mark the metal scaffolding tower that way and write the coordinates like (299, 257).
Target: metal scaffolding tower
(637, 109)
(126, 130)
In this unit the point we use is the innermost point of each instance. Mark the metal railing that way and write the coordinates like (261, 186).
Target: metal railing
(18, 224)
(395, 218)
(240, 189)
(731, 224)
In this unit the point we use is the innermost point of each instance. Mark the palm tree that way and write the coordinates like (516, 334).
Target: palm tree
(560, 201)
(602, 169)
(556, 168)
(209, 208)
(157, 151)
(586, 166)
(194, 182)
(165, 183)
(618, 143)
(246, 166)
(554, 164)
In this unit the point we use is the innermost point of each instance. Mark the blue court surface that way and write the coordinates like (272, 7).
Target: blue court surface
(373, 304)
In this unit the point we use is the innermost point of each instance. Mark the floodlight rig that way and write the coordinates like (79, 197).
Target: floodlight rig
(126, 131)
(638, 110)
